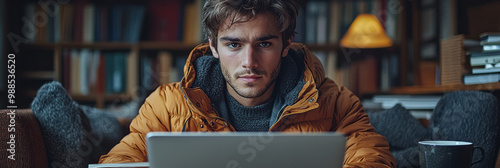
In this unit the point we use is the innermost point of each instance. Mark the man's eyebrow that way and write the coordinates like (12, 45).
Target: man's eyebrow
(226, 38)
(236, 39)
(268, 37)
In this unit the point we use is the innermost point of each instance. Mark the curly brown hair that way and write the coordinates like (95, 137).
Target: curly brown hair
(215, 13)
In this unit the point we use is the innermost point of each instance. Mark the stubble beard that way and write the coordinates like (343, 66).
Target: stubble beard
(254, 94)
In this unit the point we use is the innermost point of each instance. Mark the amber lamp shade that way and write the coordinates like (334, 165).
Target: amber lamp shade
(366, 32)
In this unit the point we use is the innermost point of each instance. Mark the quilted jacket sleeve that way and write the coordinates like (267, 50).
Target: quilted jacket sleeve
(364, 147)
(132, 148)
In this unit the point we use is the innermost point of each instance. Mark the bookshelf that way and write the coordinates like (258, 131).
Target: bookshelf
(398, 67)
(65, 31)
(100, 99)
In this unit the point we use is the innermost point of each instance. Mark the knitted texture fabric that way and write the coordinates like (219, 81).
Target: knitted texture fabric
(471, 116)
(402, 131)
(105, 134)
(400, 128)
(249, 119)
(62, 125)
(74, 135)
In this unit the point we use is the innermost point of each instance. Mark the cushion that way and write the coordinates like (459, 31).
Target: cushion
(74, 135)
(471, 116)
(401, 129)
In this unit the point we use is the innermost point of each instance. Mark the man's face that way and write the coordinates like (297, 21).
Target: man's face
(250, 56)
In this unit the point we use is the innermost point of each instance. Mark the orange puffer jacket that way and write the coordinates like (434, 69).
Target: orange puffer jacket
(321, 105)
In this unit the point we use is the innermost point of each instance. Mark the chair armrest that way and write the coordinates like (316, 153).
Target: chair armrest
(21, 130)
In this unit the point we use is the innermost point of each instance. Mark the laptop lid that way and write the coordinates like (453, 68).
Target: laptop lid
(242, 150)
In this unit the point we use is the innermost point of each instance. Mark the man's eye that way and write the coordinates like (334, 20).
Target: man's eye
(233, 45)
(264, 44)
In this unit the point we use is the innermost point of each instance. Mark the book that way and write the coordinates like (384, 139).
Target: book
(164, 20)
(84, 61)
(490, 37)
(109, 59)
(164, 66)
(30, 20)
(322, 22)
(66, 57)
(146, 74)
(66, 25)
(347, 17)
(484, 70)
(88, 23)
(101, 75)
(300, 27)
(192, 30)
(119, 73)
(135, 23)
(488, 48)
(483, 58)
(178, 74)
(50, 28)
(75, 72)
(481, 78)
(335, 17)
(78, 20)
(93, 70)
(311, 22)
(115, 29)
(129, 71)
(410, 102)
(331, 65)
(103, 24)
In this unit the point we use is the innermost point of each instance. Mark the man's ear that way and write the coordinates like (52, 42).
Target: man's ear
(286, 46)
(213, 48)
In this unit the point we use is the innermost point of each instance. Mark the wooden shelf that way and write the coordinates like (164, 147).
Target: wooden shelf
(39, 74)
(106, 97)
(99, 99)
(323, 47)
(429, 89)
(337, 47)
(151, 45)
(147, 45)
(96, 45)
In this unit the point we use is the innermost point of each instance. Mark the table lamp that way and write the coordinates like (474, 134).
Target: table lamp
(365, 32)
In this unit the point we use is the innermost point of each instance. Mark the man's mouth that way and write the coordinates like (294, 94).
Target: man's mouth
(250, 78)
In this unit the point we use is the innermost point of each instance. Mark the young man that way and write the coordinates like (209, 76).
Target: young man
(251, 77)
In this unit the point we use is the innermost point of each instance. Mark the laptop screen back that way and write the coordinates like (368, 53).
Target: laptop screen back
(241, 150)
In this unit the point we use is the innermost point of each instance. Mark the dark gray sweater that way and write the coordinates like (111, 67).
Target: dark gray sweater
(249, 119)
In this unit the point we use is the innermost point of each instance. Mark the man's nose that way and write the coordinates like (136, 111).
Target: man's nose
(250, 58)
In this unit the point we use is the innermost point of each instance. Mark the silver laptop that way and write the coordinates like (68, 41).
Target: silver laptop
(243, 150)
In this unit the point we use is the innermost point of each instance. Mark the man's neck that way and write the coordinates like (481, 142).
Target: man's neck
(251, 102)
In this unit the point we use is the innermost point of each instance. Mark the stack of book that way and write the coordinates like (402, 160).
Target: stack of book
(485, 63)
(419, 106)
